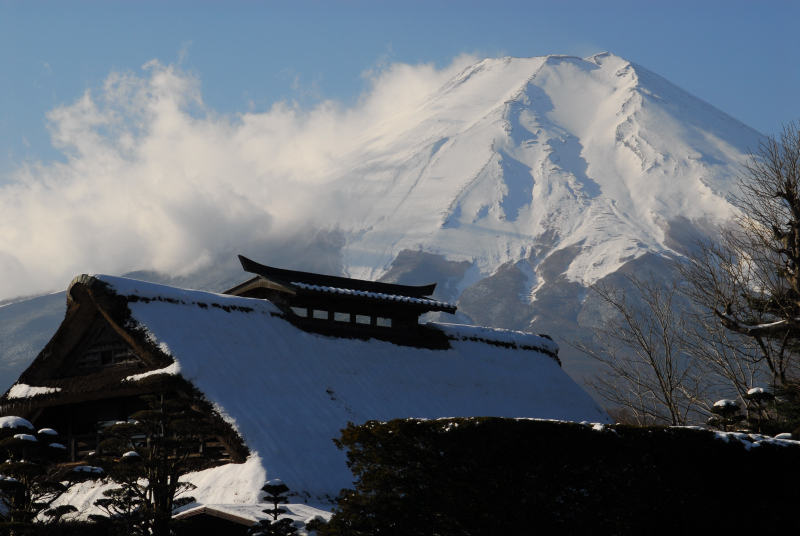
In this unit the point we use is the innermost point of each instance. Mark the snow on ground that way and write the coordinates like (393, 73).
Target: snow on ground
(289, 392)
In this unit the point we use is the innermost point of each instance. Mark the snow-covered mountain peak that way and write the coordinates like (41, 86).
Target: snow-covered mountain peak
(517, 158)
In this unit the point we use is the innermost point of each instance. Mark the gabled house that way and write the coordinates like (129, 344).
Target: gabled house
(283, 361)
(76, 384)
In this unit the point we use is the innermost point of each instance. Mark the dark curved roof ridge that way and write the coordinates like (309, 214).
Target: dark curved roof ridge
(289, 277)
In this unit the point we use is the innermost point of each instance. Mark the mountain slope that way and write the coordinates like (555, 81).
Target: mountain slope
(518, 155)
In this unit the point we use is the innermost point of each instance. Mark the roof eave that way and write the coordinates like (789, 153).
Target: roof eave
(287, 277)
(259, 282)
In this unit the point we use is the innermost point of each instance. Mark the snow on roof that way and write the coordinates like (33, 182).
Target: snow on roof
(21, 390)
(289, 392)
(505, 337)
(376, 295)
(255, 513)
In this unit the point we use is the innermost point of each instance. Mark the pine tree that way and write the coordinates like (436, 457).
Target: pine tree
(30, 480)
(276, 492)
(148, 456)
(727, 415)
(787, 407)
(758, 401)
(124, 512)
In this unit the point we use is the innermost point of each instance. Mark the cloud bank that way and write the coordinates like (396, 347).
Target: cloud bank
(156, 180)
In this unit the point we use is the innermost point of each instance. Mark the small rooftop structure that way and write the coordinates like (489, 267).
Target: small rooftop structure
(317, 302)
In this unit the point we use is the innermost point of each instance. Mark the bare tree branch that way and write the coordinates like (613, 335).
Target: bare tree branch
(750, 279)
(645, 365)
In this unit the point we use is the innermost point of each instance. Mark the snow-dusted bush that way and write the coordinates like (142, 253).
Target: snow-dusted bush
(726, 415)
(30, 480)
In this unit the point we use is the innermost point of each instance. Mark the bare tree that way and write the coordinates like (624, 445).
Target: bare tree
(646, 365)
(732, 361)
(663, 359)
(750, 279)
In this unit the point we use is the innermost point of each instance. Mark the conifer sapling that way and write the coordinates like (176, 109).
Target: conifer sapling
(276, 492)
(726, 416)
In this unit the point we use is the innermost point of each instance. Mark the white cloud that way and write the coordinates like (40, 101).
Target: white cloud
(156, 180)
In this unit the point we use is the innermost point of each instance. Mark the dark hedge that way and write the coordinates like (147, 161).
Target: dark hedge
(485, 476)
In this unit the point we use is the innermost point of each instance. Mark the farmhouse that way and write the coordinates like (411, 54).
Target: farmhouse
(283, 361)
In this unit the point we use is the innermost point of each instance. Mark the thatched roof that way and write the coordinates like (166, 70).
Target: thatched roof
(90, 303)
(287, 392)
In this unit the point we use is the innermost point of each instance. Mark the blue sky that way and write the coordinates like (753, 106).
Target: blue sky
(160, 135)
(742, 57)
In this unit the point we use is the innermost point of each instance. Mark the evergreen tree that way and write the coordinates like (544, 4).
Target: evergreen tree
(758, 402)
(276, 492)
(787, 408)
(727, 415)
(148, 456)
(29, 479)
(124, 512)
(451, 477)
(315, 523)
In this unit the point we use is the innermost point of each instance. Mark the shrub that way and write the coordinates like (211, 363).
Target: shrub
(481, 476)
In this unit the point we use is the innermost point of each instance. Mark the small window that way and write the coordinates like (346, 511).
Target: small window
(300, 311)
(320, 314)
(89, 360)
(362, 319)
(122, 357)
(341, 317)
(384, 322)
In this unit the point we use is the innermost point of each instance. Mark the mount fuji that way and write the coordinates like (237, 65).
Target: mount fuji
(515, 186)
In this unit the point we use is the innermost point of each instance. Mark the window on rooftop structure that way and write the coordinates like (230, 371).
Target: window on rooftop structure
(323, 315)
(341, 317)
(363, 319)
(384, 322)
(300, 311)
